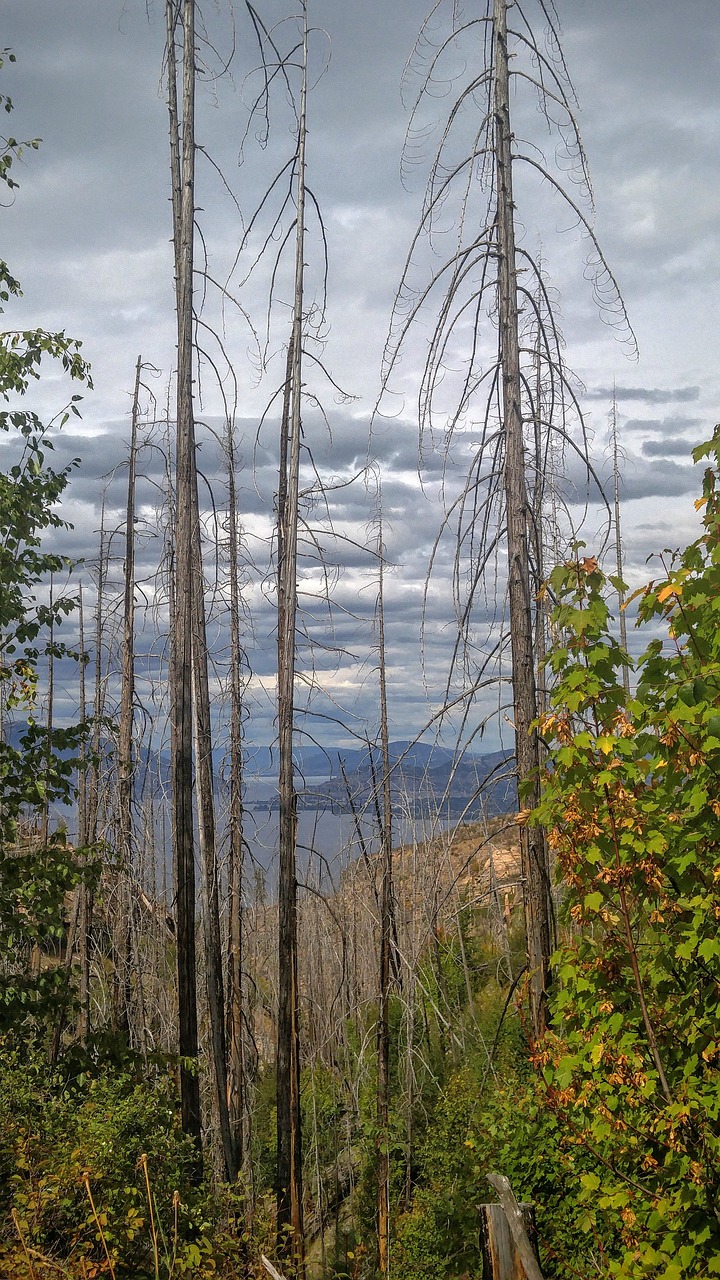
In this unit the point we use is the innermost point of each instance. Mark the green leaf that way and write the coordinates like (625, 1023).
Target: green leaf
(593, 901)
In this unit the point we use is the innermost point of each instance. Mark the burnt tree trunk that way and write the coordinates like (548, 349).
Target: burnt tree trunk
(93, 788)
(206, 832)
(386, 889)
(86, 896)
(124, 923)
(235, 1034)
(183, 200)
(289, 1152)
(45, 828)
(618, 536)
(536, 887)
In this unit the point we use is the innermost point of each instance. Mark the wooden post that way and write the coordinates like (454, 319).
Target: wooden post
(507, 1236)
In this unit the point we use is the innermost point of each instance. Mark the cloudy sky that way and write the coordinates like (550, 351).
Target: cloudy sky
(88, 236)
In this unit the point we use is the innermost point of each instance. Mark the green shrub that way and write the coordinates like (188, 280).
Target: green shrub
(61, 1143)
(632, 1070)
(504, 1128)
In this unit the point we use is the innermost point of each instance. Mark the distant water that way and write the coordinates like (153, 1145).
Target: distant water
(327, 841)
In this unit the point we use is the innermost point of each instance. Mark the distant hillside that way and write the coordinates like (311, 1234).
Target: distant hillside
(424, 779)
(468, 788)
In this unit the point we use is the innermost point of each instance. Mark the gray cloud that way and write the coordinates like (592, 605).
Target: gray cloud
(650, 395)
(662, 448)
(667, 426)
(89, 236)
(659, 479)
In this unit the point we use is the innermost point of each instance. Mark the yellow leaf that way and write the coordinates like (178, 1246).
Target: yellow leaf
(672, 589)
(699, 503)
(606, 745)
(641, 591)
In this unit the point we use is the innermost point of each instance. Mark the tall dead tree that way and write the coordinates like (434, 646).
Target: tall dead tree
(386, 920)
(93, 785)
(127, 668)
(289, 1151)
(235, 1030)
(191, 650)
(615, 450)
(45, 828)
(182, 158)
(125, 764)
(85, 908)
(205, 790)
(478, 372)
(533, 849)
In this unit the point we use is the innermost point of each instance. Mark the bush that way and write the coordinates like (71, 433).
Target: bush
(631, 802)
(505, 1128)
(63, 1142)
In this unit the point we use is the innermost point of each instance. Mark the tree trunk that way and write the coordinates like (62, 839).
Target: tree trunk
(500, 1256)
(383, 1041)
(183, 192)
(235, 1036)
(538, 502)
(127, 686)
(532, 843)
(86, 897)
(618, 536)
(45, 829)
(93, 791)
(289, 1154)
(519, 1218)
(208, 850)
(124, 924)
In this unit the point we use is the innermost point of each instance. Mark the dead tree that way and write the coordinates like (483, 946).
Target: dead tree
(235, 1032)
(289, 1150)
(616, 452)
(90, 782)
(477, 370)
(45, 827)
(127, 671)
(533, 849)
(386, 919)
(182, 153)
(205, 790)
(84, 890)
(281, 248)
(93, 788)
(192, 648)
(125, 764)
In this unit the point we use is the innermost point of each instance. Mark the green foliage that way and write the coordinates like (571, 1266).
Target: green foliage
(10, 149)
(38, 771)
(632, 806)
(485, 1122)
(62, 1142)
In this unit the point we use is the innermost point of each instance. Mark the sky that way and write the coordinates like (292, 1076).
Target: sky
(88, 235)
